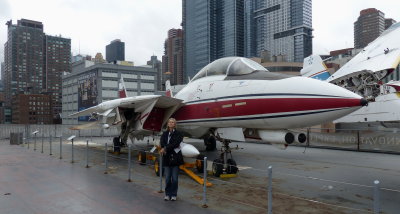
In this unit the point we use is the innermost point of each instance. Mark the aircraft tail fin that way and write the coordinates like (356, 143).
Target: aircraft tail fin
(122, 89)
(168, 89)
(314, 67)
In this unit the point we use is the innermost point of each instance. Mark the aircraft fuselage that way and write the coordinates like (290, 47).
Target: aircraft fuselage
(262, 104)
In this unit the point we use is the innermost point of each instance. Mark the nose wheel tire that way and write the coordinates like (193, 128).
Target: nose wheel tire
(217, 167)
(231, 168)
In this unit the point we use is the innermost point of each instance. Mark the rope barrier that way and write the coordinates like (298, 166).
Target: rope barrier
(219, 180)
(100, 150)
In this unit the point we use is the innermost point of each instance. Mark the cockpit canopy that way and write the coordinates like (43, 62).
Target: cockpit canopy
(230, 66)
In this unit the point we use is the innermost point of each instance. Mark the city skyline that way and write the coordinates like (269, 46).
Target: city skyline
(143, 25)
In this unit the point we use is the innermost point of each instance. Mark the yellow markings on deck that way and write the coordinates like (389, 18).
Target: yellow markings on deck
(228, 175)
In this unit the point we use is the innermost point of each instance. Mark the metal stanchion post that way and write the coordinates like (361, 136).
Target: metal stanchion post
(72, 150)
(87, 153)
(129, 163)
(270, 190)
(60, 147)
(34, 146)
(205, 183)
(27, 140)
(105, 159)
(376, 197)
(50, 142)
(161, 171)
(42, 141)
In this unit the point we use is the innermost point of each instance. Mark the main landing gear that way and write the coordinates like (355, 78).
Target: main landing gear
(225, 165)
(118, 144)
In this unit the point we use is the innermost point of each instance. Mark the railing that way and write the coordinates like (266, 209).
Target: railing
(266, 190)
(352, 139)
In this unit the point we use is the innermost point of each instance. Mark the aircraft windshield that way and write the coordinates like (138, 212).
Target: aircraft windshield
(229, 66)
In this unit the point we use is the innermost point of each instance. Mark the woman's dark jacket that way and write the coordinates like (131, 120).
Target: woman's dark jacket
(174, 142)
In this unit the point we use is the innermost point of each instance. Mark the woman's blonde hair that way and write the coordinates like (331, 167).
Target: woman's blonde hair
(173, 119)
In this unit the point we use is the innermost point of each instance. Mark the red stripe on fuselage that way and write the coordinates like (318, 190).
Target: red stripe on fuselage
(260, 106)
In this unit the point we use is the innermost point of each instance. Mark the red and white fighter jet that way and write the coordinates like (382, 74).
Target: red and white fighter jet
(227, 97)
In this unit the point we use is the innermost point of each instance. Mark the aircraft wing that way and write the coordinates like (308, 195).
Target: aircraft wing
(105, 108)
(372, 64)
(85, 112)
(147, 113)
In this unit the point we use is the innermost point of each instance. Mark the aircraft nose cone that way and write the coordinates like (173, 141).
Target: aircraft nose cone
(363, 102)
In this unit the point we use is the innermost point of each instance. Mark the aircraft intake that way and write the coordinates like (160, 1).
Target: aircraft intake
(301, 138)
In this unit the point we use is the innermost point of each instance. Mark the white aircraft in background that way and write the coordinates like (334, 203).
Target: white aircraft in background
(227, 97)
(363, 75)
(384, 109)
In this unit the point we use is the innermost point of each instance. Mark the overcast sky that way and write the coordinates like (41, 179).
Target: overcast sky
(143, 24)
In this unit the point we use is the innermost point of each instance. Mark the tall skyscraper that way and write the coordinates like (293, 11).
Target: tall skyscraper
(58, 56)
(34, 63)
(23, 58)
(172, 61)
(369, 25)
(115, 51)
(249, 30)
(212, 29)
(281, 27)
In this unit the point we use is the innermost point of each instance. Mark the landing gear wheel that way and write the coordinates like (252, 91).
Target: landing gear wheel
(210, 143)
(231, 168)
(200, 163)
(157, 167)
(142, 157)
(117, 144)
(217, 167)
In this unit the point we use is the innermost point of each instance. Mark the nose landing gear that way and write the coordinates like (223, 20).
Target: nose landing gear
(224, 166)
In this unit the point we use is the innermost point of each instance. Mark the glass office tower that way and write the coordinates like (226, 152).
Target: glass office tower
(212, 29)
(283, 28)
